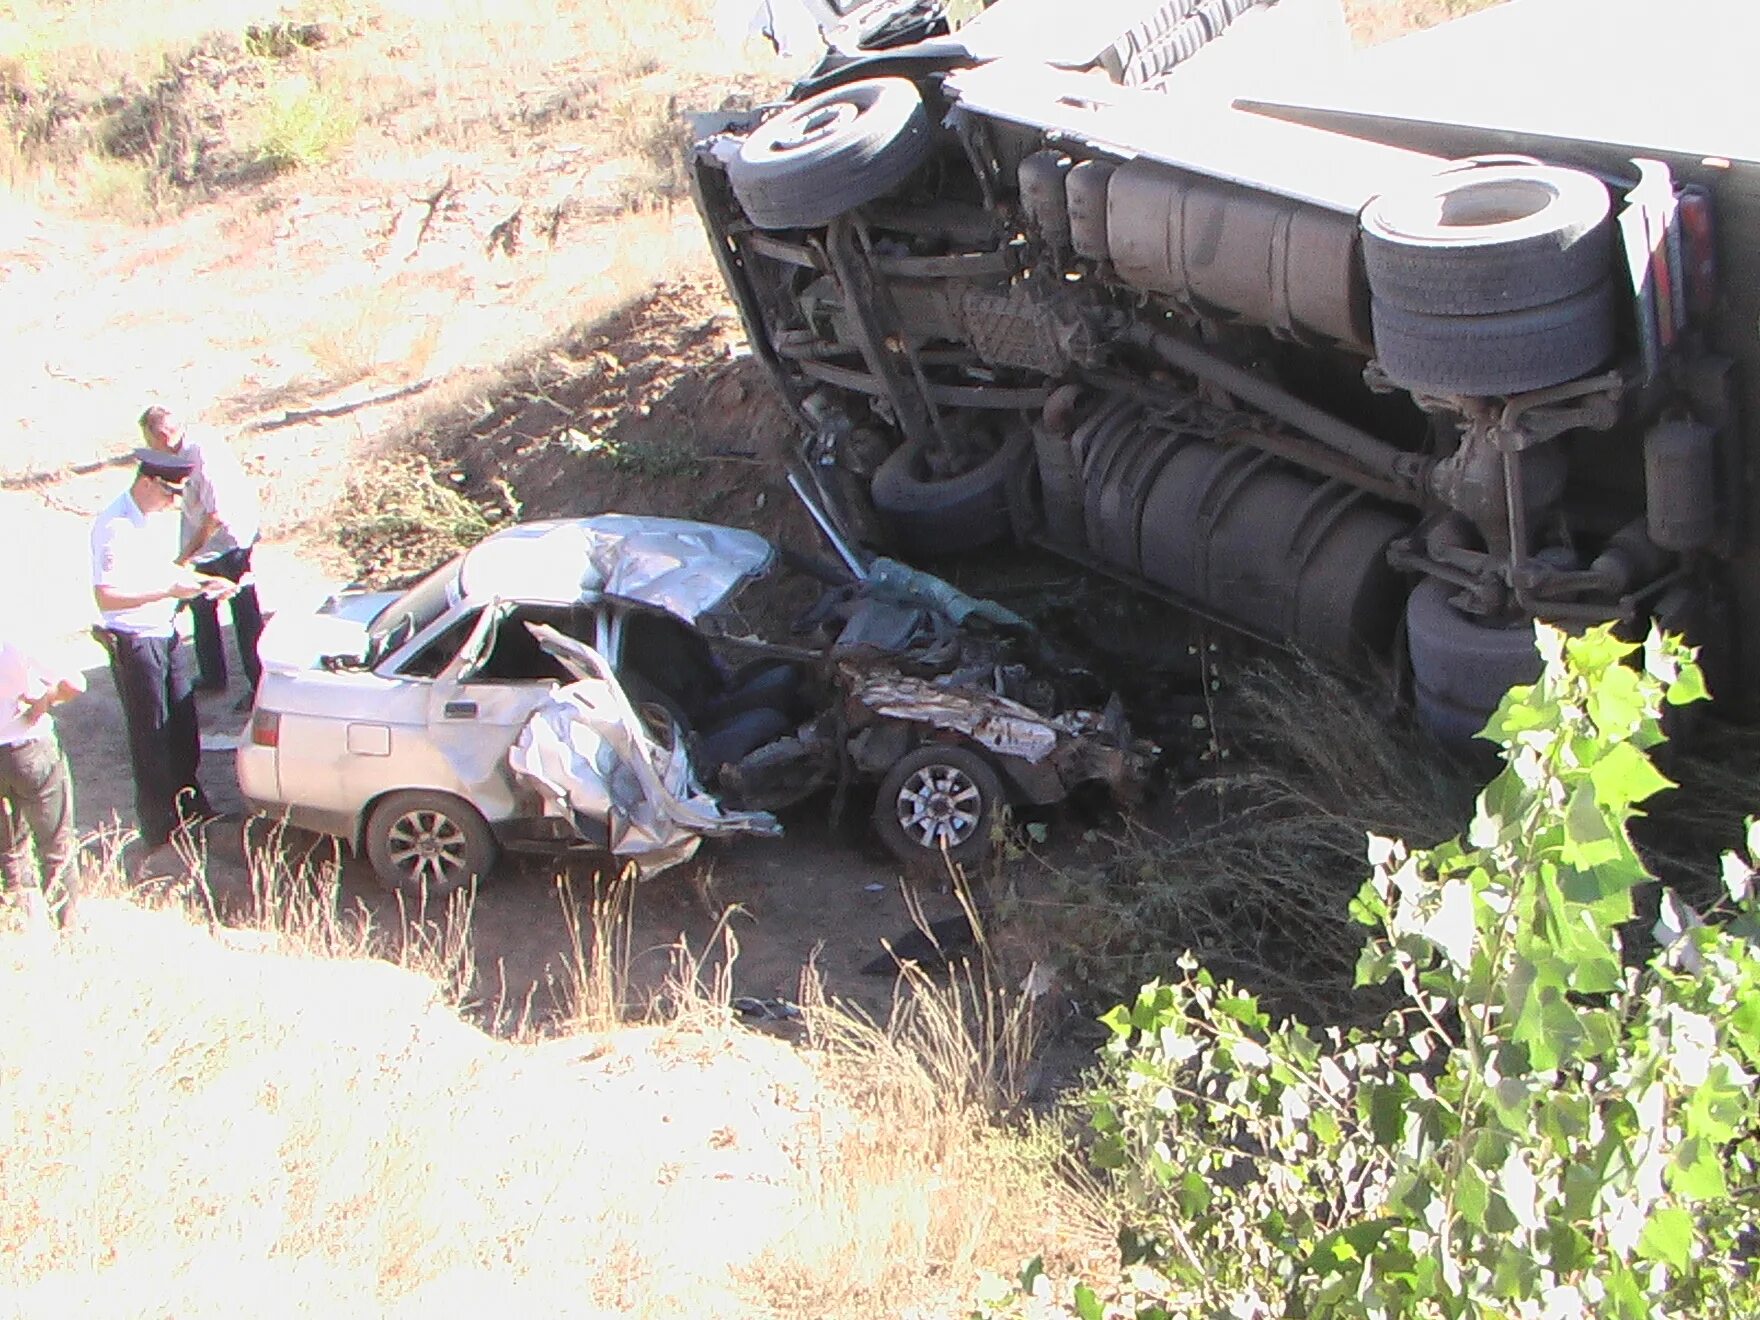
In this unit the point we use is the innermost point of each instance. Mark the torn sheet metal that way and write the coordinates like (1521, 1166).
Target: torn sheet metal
(590, 758)
(1005, 727)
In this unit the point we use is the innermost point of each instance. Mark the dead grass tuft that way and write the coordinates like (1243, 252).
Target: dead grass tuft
(1254, 871)
(400, 516)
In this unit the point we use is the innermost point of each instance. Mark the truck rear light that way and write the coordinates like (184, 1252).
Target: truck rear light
(266, 728)
(1701, 251)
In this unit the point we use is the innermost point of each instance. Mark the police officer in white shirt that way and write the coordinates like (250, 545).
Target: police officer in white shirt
(138, 584)
(221, 522)
(36, 791)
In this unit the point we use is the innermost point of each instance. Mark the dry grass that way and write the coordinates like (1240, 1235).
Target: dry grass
(273, 1114)
(1374, 21)
(1254, 871)
(399, 516)
(202, 91)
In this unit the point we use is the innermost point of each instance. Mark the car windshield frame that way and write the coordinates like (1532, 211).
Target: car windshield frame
(415, 610)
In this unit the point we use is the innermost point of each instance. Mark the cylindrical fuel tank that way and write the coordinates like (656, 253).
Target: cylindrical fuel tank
(1044, 178)
(1680, 485)
(1239, 533)
(1233, 251)
(1086, 186)
(1285, 554)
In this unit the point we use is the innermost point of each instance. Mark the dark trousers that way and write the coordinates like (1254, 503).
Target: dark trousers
(154, 683)
(247, 622)
(36, 806)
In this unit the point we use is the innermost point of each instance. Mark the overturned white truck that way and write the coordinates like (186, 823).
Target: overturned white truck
(1388, 370)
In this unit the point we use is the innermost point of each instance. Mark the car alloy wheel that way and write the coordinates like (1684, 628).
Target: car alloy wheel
(939, 805)
(426, 846)
(939, 800)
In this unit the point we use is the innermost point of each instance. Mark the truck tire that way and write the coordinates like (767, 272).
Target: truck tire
(1496, 354)
(1487, 239)
(1462, 666)
(811, 162)
(933, 517)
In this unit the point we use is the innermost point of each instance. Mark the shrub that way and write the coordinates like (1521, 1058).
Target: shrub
(1545, 1127)
(302, 125)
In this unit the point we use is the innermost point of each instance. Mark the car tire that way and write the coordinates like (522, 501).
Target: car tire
(427, 844)
(1499, 354)
(939, 795)
(1462, 666)
(811, 162)
(1488, 239)
(931, 517)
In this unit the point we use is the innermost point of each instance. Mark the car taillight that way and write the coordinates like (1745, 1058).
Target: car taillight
(266, 728)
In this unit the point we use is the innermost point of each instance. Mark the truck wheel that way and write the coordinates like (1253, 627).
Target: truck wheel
(428, 845)
(1500, 353)
(944, 517)
(939, 796)
(1495, 238)
(812, 162)
(1462, 666)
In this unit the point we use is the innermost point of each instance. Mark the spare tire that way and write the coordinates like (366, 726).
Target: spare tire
(1490, 238)
(1504, 353)
(811, 162)
(931, 517)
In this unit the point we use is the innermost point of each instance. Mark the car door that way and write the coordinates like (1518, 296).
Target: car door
(473, 719)
(347, 736)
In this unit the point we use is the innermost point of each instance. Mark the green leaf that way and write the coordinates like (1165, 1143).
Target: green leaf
(1343, 1249)
(1194, 1194)
(1588, 840)
(1625, 776)
(1617, 702)
(1626, 1297)
(1688, 687)
(1088, 1304)
(1738, 877)
(1596, 652)
(1383, 1107)
(1117, 1020)
(1471, 1196)
(1668, 1237)
(1697, 1171)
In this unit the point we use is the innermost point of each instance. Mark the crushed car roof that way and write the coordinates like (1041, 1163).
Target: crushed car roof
(685, 568)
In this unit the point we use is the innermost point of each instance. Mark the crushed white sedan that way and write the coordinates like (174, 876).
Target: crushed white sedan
(594, 685)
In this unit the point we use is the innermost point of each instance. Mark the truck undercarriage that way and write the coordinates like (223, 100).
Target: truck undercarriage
(1364, 390)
